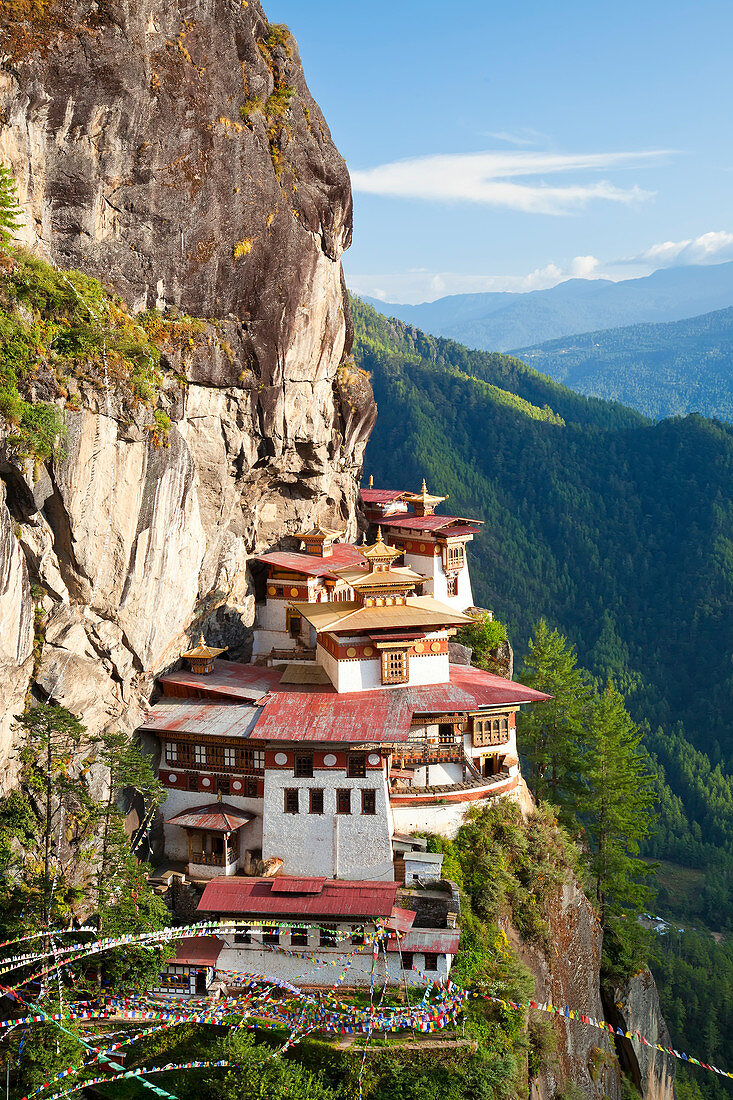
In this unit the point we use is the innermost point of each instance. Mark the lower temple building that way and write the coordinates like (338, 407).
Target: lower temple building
(295, 782)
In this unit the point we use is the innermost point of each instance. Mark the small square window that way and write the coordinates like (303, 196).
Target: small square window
(407, 960)
(357, 935)
(230, 756)
(452, 586)
(304, 765)
(369, 801)
(298, 937)
(199, 754)
(357, 765)
(291, 800)
(171, 752)
(244, 935)
(394, 666)
(431, 962)
(259, 759)
(316, 801)
(270, 935)
(343, 801)
(328, 935)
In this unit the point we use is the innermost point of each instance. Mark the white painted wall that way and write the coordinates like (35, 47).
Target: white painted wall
(435, 775)
(205, 871)
(348, 846)
(366, 675)
(437, 583)
(271, 628)
(444, 819)
(253, 958)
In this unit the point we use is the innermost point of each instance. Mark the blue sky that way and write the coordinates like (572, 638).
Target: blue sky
(508, 146)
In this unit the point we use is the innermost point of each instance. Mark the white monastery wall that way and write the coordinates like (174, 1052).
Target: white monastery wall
(253, 958)
(366, 675)
(348, 846)
(445, 819)
(435, 775)
(436, 584)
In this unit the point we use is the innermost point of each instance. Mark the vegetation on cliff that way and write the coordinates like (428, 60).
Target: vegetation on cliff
(584, 756)
(63, 336)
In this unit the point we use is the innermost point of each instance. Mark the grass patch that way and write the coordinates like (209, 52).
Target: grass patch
(679, 890)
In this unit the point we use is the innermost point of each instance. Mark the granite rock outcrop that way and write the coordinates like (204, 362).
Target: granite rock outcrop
(176, 153)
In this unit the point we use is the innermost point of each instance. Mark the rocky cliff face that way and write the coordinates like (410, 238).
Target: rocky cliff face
(568, 972)
(175, 152)
(635, 1007)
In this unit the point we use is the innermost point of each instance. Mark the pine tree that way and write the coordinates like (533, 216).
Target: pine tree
(616, 805)
(550, 735)
(11, 214)
(128, 767)
(52, 736)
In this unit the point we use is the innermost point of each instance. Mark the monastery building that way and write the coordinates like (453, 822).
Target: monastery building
(295, 782)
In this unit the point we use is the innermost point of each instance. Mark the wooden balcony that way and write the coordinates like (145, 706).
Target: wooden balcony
(212, 859)
(417, 754)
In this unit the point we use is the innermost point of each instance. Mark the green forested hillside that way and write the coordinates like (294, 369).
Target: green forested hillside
(615, 529)
(661, 370)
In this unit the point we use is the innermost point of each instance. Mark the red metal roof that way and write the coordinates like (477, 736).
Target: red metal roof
(327, 716)
(222, 719)
(312, 712)
(433, 523)
(434, 941)
(309, 564)
(197, 951)
(227, 681)
(381, 496)
(283, 884)
(219, 817)
(401, 920)
(337, 899)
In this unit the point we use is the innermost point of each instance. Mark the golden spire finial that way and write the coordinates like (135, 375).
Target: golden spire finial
(424, 489)
(201, 638)
(379, 534)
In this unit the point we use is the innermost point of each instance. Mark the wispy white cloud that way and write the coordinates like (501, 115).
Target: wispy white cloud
(526, 136)
(498, 179)
(708, 248)
(420, 285)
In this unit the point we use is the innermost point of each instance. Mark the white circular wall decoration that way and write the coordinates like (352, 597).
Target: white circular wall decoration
(172, 778)
(281, 758)
(329, 760)
(236, 785)
(205, 782)
(373, 758)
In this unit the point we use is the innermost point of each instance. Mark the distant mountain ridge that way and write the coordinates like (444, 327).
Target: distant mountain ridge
(500, 321)
(668, 369)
